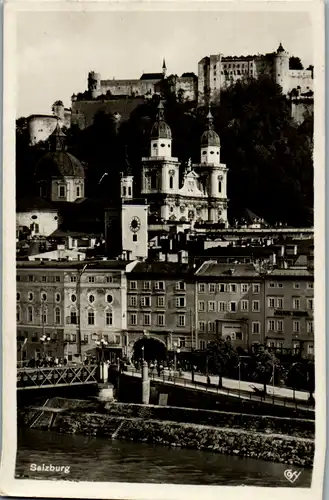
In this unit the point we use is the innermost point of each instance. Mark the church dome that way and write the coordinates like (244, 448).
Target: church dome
(160, 129)
(210, 138)
(59, 164)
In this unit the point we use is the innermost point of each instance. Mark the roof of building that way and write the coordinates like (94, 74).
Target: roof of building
(160, 129)
(210, 137)
(88, 109)
(212, 269)
(91, 264)
(290, 272)
(230, 251)
(162, 268)
(30, 204)
(58, 164)
(152, 76)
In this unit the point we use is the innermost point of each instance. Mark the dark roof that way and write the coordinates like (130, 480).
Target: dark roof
(83, 112)
(58, 164)
(92, 264)
(152, 76)
(189, 75)
(162, 268)
(287, 273)
(212, 269)
(60, 233)
(237, 251)
(27, 204)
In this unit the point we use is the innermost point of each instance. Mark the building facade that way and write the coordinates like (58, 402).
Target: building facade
(217, 72)
(229, 303)
(202, 196)
(289, 311)
(161, 305)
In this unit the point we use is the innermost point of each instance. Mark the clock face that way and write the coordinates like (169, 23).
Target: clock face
(135, 224)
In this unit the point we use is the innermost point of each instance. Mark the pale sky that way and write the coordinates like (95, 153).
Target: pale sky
(57, 49)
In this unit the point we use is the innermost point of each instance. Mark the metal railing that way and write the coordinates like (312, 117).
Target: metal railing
(176, 379)
(36, 378)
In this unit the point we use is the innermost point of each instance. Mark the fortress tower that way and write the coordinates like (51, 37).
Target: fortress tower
(281, 69)
(94, 84)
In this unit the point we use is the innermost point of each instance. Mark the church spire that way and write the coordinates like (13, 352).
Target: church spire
(164, 68)
(57, 139)
(210, 120)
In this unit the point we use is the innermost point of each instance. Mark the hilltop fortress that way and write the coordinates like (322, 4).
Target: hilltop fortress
(215, 72)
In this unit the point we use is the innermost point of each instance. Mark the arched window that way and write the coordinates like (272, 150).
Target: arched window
(124, 191)
(91, 317)
(44, 315)
(73, 317)
(153, 180)
(18, 296)
(109, 317)
(34, 227)
(219, 186)
(171, 182)
(78, 192)
(57, 315)
(18, 313)
(30, 314)
(61, 191)
(129, 191)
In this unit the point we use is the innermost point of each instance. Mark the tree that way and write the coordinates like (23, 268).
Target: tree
(267, 366)
(222, 357)
(295, 63)
(269, 156)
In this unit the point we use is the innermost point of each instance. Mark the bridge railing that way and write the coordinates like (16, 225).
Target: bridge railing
(175, 379)
(35, 378)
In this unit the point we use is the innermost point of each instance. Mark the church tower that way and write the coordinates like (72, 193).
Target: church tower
(126, 224)
(61, 177)
(160, 171)
(164, 68)
(215, 174)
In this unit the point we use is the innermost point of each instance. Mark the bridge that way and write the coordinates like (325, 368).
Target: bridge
(63, 376)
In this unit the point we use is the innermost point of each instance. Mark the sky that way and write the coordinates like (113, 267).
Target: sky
(56, 50)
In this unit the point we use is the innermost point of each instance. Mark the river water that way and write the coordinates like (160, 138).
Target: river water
(100, 459)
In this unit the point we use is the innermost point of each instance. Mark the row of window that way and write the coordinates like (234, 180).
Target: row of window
(278, 303)
(295, 346)
(92, 298)
(228, 288)
(32, 278)
(158, 285)
(73, 297)
(30, 314)
(231, 306)
(62, 191)
(43, 296)
(73, 318)
(91, 279)
(278, 326)
(145, 319)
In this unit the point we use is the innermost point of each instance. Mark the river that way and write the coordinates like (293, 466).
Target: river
(100, 459)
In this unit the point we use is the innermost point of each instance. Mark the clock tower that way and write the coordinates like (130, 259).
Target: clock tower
(126, 232)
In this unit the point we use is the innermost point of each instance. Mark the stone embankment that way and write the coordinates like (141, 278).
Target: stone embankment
(276, 439)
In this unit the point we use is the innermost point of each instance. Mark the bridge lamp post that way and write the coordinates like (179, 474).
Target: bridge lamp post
(44, 339)
(80, 273)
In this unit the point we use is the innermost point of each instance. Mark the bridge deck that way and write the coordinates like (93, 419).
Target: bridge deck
(64, 376)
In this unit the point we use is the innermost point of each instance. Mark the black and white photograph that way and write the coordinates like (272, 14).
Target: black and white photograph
(166, 240)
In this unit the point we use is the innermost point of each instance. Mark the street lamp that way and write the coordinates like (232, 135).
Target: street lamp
(142, 349)
(44, 339)
(79, 310)
(239, 374)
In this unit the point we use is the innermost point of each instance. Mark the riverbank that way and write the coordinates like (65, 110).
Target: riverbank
(289, 441)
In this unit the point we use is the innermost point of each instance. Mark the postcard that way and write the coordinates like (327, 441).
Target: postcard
(163, 208)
